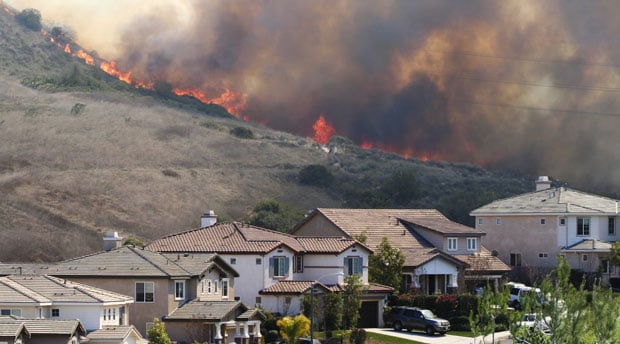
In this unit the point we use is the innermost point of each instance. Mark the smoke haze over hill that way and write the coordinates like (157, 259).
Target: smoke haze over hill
(530, 85)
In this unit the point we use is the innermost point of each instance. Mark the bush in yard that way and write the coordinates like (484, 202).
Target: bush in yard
(460, 323)
(445, 305)
(358, 336)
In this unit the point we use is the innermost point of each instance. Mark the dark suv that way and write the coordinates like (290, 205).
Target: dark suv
(412, 318)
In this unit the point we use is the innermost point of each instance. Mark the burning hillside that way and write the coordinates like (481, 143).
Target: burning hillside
(520, 84)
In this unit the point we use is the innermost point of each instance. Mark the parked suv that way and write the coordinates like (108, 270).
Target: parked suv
(412, 318)
(518, 291)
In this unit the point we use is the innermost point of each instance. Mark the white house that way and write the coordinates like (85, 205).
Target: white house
(269, 261)
(46, 297)
(529, 231)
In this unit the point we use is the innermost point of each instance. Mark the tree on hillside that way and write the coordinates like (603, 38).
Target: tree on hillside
(272, 214)
(386, 265)
(401, 188)
(315, 175)
(30, 18)
(352, 301)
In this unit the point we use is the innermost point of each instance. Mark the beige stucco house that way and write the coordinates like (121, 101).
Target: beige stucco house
(441, 256)
(529, 231)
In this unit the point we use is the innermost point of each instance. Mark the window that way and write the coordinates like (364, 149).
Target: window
(258, 300)
(55, 312)
(611, 226)
(225, 288)
(584, 257)
(452, 244)
(562, 221)
(179, 290)
(298, 263)
(209, 286)
(279, 266)
(259, 261)
(353, 266)
(12, 311)
(145, 291)
(472, 244)
(605, 266)
(233, 261)
(542, 221)
(216, 285)
(203, 286)
(515, 259)
(583, 226)
(406, 282)
(480, 221)
(543, 255)
(498, 221)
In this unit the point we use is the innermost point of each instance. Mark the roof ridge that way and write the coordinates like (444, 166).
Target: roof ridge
(12, 284)
(156, 265)
(86, 289)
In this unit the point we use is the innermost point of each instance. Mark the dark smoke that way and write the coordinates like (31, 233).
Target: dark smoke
(529, 85)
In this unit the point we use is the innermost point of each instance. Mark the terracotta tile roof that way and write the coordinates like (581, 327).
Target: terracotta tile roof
(378, 223)
(114, 333)
(559, 201)
(208, 310)
(235, 237)
(48, 289)
(197, 263)
(292, 287)
(483, 262)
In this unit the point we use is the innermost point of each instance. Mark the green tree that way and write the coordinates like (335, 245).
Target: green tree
(315, 175)
(332, 315)
(605, 316)
(352, 300)
(615, 253)
(292, 329)
(274, 215)
(386, 265)
(402, 187)
(157, 334)
(30, 18)
(132, 240)
(490, 305)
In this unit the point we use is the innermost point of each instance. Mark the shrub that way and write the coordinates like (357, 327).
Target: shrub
(242, 132)
(445, 305)
(315, 175)
(358, 336)
(460, 323)
(30, 18)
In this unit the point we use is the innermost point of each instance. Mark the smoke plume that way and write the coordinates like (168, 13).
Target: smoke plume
(528, 85)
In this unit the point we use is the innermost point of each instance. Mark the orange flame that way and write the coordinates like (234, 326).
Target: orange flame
(233, 102)
(323, 130)
(89, 60)
(110, 68)
(67, 49)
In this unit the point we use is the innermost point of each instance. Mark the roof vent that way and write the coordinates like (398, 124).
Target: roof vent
(543, 183)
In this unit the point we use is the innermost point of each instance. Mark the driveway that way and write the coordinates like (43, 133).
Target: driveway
(438, 339)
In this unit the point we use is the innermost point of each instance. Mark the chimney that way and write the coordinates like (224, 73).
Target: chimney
(208, 218)
(543, 183)
(112, 241)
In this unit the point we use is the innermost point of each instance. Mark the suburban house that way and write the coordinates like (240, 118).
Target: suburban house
(179, 289)
(47, 297)
(277, 269)
(529, 231)
(41, 331)
(441, 256)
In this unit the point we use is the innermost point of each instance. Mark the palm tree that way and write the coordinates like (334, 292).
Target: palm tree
(293, 328)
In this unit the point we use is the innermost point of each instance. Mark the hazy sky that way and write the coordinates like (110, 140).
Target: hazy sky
(531, 85)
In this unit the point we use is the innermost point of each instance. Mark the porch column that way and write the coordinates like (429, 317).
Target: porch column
(218, 333)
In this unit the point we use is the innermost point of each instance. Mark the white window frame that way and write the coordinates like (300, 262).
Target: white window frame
(298, 263)
(498, 220)
(543, 255)
(453, 244)
(57, 313)
(145, 292)
(562, 221)
(585, 226)
(216, 284)
(209, 286)
(472, 244)
(203, 288)
(225, 288)
(480, 221)
(179, 294)
(233, 261)
(279, 266)
(543, 221)
(611, 226)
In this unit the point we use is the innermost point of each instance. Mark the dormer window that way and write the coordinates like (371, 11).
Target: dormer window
(583, 226)
(278, 266)
(452, 244)
(353, 266)
(472, 244)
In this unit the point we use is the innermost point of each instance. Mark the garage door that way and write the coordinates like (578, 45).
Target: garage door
(369, 314)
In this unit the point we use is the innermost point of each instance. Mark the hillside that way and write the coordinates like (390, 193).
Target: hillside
(74, 165)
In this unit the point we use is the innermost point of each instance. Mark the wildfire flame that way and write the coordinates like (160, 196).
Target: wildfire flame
(67, 49)
(110, 68)
(323, 130)
(233, 102)
(89, 60)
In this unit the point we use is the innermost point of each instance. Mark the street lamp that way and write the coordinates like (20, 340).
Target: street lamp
(312, 302)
